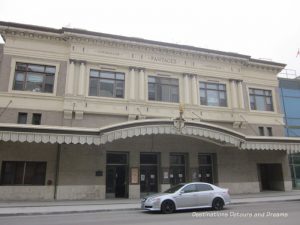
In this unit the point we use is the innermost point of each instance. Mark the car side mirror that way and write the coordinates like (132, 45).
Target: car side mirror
(181, 192)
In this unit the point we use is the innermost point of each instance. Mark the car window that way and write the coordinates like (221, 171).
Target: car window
(203, 187)
(189, 188)
(174, 189)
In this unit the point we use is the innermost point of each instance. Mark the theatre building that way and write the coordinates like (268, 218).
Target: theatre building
(87, 115)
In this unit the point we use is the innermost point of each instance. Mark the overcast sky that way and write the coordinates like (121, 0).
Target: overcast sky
(267, 29)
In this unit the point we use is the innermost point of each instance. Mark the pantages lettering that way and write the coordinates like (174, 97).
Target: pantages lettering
(163, 59)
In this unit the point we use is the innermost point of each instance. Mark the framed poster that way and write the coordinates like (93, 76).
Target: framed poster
(134, 178)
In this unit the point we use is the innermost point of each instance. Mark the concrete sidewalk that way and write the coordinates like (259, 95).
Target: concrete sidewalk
(12, 208)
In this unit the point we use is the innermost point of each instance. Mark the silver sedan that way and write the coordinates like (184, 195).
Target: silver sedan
(187, 196)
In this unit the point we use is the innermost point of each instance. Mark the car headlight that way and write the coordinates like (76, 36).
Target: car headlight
(154, 200)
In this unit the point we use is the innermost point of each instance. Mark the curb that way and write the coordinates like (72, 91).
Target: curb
(67, 212)
(123, 209)
(279, 200)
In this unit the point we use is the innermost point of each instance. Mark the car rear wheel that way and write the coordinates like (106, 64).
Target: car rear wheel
(167, 207)
(218, 204)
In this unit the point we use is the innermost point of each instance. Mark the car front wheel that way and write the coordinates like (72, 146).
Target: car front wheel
(167, 207)
(218, 204)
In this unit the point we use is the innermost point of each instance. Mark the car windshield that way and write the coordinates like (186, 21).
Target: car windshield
(174, 189)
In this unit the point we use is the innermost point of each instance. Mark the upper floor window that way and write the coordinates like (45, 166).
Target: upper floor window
(36, 118)
(22, 118)
(107, 84)
(213, 94)
(34, 77)
(163, 89)
(261, 99)
(261, 131)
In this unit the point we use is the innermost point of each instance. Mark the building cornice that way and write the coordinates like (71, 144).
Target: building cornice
(73, 35)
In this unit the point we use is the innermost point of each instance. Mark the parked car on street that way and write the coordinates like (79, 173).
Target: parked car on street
(187, 196)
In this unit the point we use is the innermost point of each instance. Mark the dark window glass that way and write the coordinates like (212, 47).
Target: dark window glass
(189, 188)
(297, 172)
(23, 173)
(213, 94)
(146, 158)
(107, 84)
(261, 99)
(163, 89)
(35, 173)
(204, 159)
(22, 118)
(33, 77)
(270, 131)
(36, 118)
(177, 168)
(115, 158)
(296, 160)
(174, 189)
(203, 187)
(261, 131)
(177, 159)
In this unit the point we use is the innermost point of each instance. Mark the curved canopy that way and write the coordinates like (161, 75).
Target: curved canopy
(213, 133)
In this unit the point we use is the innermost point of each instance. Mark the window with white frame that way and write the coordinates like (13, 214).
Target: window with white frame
(213, 94)
(107, 84)
(261, 99)
(163, 89)
(34, 77)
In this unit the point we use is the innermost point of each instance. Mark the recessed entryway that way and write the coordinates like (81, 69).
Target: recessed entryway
(116, 175)
(270, 177)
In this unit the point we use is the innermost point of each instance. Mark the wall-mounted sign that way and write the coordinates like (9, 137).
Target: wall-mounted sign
(166, 175)
(134, 175)
(99, 173)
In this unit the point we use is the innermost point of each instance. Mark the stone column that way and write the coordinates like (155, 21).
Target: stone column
(193, 167)
(186, 89)
(165, 168)
(194, 90)
(241, 94)
(70, 79)
(81, 80)
(233, 94)
(132, 83)
(134, 162)
(141, 85)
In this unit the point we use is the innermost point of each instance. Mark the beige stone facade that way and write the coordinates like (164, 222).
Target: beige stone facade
(78, 131)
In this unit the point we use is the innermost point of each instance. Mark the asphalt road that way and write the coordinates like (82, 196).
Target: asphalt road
(256, 213)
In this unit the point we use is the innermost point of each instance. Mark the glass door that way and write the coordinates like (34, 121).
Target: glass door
(177, 168)
(205, 168)
(149, 172)
(117, 175)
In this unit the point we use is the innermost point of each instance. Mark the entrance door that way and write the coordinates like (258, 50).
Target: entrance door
(177, 168)
(117, 175)
(205, 168)
(149, 172)
(271, 177)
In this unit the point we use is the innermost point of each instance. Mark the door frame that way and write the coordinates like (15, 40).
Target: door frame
(126, 165)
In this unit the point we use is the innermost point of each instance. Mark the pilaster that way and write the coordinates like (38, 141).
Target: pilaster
(241, 94)
(70, 79)
(234, 100)
(194, 90)
(142, 84)
(81, 83)
(132, 83)
(186, 89)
